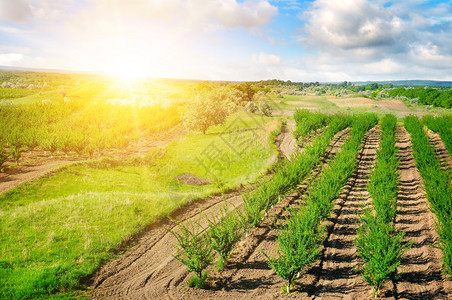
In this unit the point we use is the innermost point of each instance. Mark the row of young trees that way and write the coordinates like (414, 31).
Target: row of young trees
(437, 182)
(195, 250)
(379, 244)
(78, 128)
(301, 237)
(306, 122)
(88, 128)
(443, 126)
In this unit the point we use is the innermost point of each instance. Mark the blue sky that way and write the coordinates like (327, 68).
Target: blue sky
(321, 40)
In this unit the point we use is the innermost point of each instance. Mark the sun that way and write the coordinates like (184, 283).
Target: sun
(128, 72)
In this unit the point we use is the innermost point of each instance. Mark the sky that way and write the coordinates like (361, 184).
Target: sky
(321, 40)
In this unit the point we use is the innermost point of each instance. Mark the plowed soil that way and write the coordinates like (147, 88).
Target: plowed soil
(420, 272)
(440, 148)
(148, 270)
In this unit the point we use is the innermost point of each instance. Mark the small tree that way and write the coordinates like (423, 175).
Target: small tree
(224, 232)
(16, 141)
(194, 250)
(265, 109)
(4, 156)
(207, 108)
(297, 247)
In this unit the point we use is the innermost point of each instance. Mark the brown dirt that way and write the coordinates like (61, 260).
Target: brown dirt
(285, 141)
(38, 163)
(420, 271)
(148, 270)
(29, 171)
(191, 179)
(440, 148)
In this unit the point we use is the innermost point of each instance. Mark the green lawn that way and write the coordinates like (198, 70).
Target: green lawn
(58, 229)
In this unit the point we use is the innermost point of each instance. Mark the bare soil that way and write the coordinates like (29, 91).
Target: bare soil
(440, 149)
(420, 272)
(148, 270)
(191, 179)
(285, 141)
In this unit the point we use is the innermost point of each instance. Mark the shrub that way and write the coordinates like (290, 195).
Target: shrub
(4, 155)
(251, 107)
(265, 109)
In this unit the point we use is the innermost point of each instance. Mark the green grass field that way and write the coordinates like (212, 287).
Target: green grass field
(59, 229)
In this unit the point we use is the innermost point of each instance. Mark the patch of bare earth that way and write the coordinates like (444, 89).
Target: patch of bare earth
(393, 105)
(191, 179)
(148, 270)
(420, 271)
(440, 148)
(285, 141)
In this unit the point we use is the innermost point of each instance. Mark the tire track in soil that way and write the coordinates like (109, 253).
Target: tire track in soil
(335, 275)
(247, 275)
(440, 149)
(150, 260)
(420, 271)
(148, 270)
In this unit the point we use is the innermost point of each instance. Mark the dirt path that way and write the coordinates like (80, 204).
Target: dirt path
(148, 270)
(440, 148)
(286, 141)
(30, 171)
(420, 271)
(38, 164)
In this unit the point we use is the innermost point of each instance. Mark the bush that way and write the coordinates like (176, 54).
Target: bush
(265, 109)
(251, 107)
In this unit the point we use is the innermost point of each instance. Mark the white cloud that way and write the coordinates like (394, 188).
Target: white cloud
(351, 24)
(11, 59)
(14, 11)
(266, 59)
(249, 14)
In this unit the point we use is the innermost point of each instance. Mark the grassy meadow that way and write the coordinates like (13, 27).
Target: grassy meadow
(58, 229)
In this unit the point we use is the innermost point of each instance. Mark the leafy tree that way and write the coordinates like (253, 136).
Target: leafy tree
(251, 107)
(247, 89)
(207, 108)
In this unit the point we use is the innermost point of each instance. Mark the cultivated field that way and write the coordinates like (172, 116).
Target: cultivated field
(183, 189)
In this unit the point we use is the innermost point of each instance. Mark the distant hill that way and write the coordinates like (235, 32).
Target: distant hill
(408, 82)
